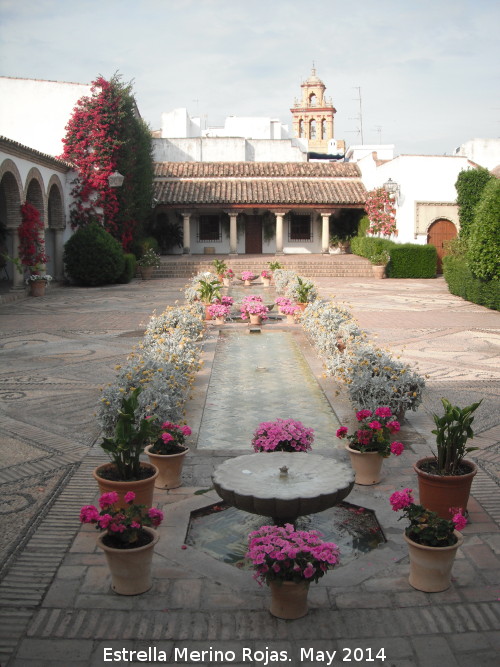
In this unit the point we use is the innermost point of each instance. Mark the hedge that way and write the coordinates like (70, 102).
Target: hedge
(129, 269)
(409, 260)
(366, 246)
(93, 257)
(461, 282)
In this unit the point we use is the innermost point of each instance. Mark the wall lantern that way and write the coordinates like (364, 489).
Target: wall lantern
(392, 188)
(115, 180)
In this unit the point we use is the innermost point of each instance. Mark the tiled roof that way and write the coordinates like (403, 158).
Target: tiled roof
(253, 183)
(256, 169)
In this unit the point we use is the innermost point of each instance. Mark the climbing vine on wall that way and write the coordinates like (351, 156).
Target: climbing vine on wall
(379, 207)
(104, 134)
(31, 239)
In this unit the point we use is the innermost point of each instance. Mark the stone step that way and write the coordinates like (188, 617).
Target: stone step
(319, 266)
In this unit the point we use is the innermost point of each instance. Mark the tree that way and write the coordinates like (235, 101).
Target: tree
(104, 134)
(484, 240)
(469, 186)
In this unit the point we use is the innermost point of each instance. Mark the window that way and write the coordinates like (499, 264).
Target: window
(209, 228)
(299, 228)
(323, 129)
(312, 129)
(301, 128)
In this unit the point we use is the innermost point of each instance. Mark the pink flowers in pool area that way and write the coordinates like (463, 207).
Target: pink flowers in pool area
(283, 435)
(374, 433)
(283, 553)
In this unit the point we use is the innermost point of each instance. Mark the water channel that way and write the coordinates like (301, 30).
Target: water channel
(257, 378)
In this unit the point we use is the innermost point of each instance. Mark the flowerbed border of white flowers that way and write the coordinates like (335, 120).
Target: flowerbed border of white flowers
(164, 364)
(372, 376)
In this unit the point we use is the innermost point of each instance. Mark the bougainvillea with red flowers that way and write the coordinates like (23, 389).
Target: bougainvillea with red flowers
(104, 134)
(379, 207)
(31, 239)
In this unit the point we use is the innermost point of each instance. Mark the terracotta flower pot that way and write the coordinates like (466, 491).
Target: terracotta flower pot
(378, 271)
(143, 488)
(439, 493)
(147, 272)
(169, 468)
(37, 287)
(290, 319)
(255, 319)
(266, 281)
(220, 320)
(430, 567)
(289, 599)
(366, 465)
(302, 306)
(207, 314)
(130, 568)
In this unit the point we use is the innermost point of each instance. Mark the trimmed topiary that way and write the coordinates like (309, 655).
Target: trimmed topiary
(410, 260)
(461, 282)
(93, 257)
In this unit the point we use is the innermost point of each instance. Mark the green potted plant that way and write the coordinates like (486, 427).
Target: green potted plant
(302, 291)
(432, 542)
(288, 561)
(379, 261)
(128, 540)
(148, 261)
(208, 291)
(167, 453)
(220, 268)
(126, 472)
(444, 479)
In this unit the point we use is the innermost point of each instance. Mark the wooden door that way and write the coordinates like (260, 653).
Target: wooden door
(253, 235)
(439, 232)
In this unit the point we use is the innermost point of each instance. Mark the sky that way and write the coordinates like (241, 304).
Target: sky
(420, 74)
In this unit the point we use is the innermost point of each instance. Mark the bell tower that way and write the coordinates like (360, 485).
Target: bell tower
(312, 116)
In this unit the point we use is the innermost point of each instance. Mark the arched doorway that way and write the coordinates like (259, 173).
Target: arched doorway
(440, 231)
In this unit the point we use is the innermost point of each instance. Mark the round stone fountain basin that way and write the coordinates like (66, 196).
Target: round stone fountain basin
(259, 484)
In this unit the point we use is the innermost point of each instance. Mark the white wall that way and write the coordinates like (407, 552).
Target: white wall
(35, 112)
(484, 152)
(227, 149)
(422, 178)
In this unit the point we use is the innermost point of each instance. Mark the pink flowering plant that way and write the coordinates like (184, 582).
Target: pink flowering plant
(281, 302)
(374, 432)
(229, 274)
(283, 435)
(281, 553)
(219, 310)
(252, 305)
(427, 527)
(247, 275)
(125, 526)
(170, 439)
(266, 274)
(290, 309)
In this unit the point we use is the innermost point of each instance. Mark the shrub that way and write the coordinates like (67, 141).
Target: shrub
(93, 257)
(409, 260)
(484, 238)
(462, 282)
(469, 186)
(366, 246)
(129, 268)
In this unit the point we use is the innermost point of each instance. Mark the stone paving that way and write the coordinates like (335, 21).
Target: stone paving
(55, 603)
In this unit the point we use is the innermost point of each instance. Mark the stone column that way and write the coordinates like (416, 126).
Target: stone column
(17, 278)
(279, 231)
(325, 233)
(186, 232)
(233, 233)
(58, 255)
